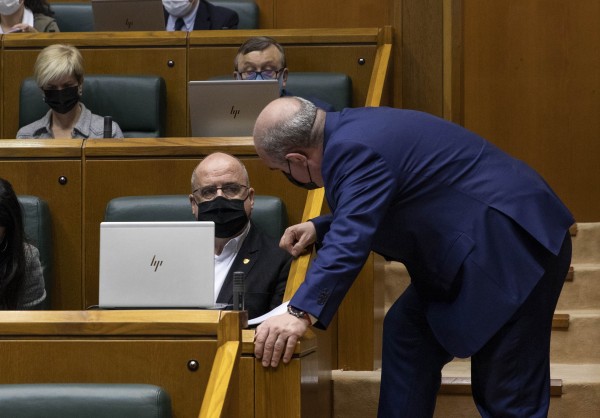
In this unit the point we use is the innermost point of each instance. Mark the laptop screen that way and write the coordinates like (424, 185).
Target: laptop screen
(156, 265)
(228, 107)
(128, 15)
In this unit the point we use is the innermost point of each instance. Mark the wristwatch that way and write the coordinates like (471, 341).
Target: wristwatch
(299, 314)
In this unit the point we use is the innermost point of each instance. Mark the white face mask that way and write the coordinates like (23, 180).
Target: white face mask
(8, 7)
(177, 8)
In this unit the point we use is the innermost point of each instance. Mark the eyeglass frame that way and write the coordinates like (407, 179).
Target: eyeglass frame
(216, 193)
(256, 73)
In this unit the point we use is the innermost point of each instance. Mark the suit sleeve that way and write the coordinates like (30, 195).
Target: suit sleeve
(360, 186)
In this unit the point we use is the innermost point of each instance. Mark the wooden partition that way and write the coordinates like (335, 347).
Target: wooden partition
(172, 349)
(133, 53)
(51, 170)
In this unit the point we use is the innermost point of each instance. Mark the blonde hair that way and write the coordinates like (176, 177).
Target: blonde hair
(57, 61)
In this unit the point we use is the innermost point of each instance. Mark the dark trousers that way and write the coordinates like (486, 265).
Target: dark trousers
(510, 375)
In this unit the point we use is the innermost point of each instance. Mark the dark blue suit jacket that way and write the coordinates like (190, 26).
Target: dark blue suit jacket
(210, 16)
(471, 224)
(266, 267)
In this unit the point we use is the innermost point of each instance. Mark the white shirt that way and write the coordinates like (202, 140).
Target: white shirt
(224, 260)
(27, 18)
(187, 20)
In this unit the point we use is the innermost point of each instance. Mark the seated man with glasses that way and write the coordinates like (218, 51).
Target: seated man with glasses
(262, 58)
(221, 193)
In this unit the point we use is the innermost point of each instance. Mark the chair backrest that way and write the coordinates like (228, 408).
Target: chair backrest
(73, 17)
(247, 11)
(269, 212)
(332, 88)
(137, 103)
(68, 400)
(38, 230)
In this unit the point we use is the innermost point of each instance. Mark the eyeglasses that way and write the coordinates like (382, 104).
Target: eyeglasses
(264, 75)
(229, 190)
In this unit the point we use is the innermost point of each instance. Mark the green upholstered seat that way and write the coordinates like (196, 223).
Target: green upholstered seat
(136, 102)
(38, 230)
(332, 88)
(269, 212)
(73, 17)
(68, 400)
(247, 11)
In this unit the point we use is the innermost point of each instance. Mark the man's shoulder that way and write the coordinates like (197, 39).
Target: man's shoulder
(216, 17)
(35, 130)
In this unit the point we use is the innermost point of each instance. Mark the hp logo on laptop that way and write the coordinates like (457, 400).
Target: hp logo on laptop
(155, 263)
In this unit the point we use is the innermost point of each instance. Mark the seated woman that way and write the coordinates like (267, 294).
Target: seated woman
(26, 16)
(58, 71)
(21, 278)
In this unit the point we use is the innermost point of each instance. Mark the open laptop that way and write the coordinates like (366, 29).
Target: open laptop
(228, 107)
(128, 15)
(157, 265)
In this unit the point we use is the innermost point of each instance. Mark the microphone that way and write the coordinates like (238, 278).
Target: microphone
(238, 290)
(107, 126)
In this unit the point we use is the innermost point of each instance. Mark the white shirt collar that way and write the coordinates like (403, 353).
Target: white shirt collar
(188, 20)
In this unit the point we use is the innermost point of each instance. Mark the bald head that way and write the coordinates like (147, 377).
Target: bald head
(288, 124)
(222, 166)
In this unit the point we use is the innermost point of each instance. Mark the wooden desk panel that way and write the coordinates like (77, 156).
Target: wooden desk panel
(35, 170)
(160, 166)
(152, 347)
(151, 53)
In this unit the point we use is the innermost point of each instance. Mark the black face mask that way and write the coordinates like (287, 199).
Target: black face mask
(228, 215)
(311, 185)
(62, 101)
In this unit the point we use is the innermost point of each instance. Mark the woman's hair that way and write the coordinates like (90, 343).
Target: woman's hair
(39, 6)
(57, 61)
(12, 254)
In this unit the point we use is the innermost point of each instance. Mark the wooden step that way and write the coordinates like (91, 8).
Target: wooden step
(462, 386)
(560, 321)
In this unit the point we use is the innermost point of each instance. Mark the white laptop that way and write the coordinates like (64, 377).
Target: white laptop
(157, 265)
(128, 15)
(228, 107)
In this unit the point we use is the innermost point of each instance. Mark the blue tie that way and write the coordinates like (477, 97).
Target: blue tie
(179, 23)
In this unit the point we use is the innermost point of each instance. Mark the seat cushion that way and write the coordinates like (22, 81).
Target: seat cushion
(269, 212)
(38, 230)
(73, 17)
(84, 400)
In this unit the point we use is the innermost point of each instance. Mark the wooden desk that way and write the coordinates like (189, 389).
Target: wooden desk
(154, 347)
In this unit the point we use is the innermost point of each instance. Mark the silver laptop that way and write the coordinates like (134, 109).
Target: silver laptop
(157, 265)
(128, 15)
(228, 107)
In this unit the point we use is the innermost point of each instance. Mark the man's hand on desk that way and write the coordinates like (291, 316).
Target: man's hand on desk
(277, 337)
(296, 238)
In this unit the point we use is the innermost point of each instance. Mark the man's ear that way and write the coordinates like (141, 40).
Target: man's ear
(296, 157)
(194, 206)
(284, 77)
